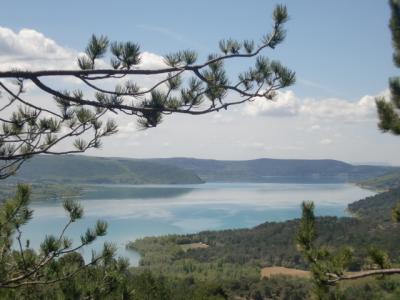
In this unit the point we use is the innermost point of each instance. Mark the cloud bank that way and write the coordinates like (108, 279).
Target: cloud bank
(32, 50)
(288, 104)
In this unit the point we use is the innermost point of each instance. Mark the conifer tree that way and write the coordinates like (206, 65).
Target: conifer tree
(21, 265)
(183, 86)
(78, 119)
(328, 267)
(389, 118)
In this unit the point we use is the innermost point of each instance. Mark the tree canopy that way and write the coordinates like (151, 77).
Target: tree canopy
(328, 267)
(389, 119)
(78, 118)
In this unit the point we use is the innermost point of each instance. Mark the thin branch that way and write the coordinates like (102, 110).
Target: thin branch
(17, 97)
(129, 94)
(109, 72)
(24, 283)
(362, 274)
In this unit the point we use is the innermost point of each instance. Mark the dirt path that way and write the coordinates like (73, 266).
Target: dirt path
(271, 271)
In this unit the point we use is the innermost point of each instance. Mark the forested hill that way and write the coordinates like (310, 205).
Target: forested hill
(387, 181)
(85, 169)
(234, 258)
(88, 169)
(377, 207)
(267, 170)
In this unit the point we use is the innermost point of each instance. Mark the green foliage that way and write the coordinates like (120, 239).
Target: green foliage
(213, 80)
(370, 288)
(74, 209)
(13, 214)
(307, 233)
(22, 266)
(328, 267)
(38, 134)
(379, 257)
(276, 170)
(394, 25)
(234, 258)
(40, 191)
(182, 86)
(377, 208)
(228, 268)
(77, 170)
(389, 120)
(390, 180)
(248, 46)
(95, 49)
(282, 288)
(149, 287)
(232, 46)
(181, 58)
(126, 55)
(396, 213)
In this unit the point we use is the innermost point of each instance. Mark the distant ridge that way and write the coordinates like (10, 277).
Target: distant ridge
(101, 170)
(180, 170)
(268, 169)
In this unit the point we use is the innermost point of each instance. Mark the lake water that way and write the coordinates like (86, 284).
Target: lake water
(138, 211)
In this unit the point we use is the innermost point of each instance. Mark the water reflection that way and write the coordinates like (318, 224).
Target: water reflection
(137, 211)
(134, 192)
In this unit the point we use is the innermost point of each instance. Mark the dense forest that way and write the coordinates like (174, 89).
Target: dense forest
(387, 181)
(78, 169)
(278, 170)
(235, 257)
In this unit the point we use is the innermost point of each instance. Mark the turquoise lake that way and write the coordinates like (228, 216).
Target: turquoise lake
(135, 211)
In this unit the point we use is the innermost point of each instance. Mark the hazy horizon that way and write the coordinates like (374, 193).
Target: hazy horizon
(329, 113)
(372, 163)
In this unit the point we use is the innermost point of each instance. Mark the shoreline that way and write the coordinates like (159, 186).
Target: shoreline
(130, 245)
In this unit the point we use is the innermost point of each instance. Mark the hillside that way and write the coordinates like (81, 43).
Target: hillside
(276, 170)
(76, 169)
(376, 207)
(235, 258)
(387, 181)
(245, 251)
(72, 169)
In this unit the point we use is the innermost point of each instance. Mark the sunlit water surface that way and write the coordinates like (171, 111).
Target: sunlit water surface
(137, 211)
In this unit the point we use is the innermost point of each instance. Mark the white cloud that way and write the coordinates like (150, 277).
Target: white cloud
(315, 127)
(361, 110)
(326, 142)
(222, 118)
(288, 104)
(285, 104)
(151, 61)
(129, 128)
(223, 135)
(30, 49)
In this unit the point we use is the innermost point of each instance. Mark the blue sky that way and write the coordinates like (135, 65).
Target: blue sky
(340, 50)
(342, 46)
